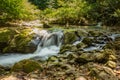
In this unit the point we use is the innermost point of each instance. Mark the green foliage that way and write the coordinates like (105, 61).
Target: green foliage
(16, 9)
(44, 4)
(70, 11)
(63, 11)
(82, 11)
(106, 11)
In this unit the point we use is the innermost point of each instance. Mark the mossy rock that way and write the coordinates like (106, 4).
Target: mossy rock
(82, 32)
(80, 45)
(2, 70)
(101, 57)
(102, 73)
(88, 41)
(6, 35)
(114, 45)
(16, 40)
(26, 66)
(67, 47)
(111, 64)
(95, 33)
(70, 37)
(117, 39)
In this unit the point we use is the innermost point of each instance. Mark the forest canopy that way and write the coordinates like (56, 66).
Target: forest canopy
(63, 11)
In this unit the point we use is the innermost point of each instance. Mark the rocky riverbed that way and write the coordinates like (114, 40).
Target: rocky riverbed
(84, 55)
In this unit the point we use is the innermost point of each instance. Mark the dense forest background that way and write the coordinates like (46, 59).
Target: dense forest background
(62, 11)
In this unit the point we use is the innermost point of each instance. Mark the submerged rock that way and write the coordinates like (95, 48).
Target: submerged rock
(26, 66)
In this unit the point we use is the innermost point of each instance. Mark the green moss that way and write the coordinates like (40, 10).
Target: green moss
(80, 45)
(87, 41)
(17, 40)
(114, 45)
(95, 33)
(26, 66)
(101, 57)
(70, 37)
(67, 47)
(6, 34)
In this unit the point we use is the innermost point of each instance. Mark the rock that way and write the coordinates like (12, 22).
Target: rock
(88, 57)
(109, 71)
(70, 37)
(80, 45)
(111, 64)
(107, 74)
(83, 58)
(67, 47)
(81, 78)
(53, 58)
(72, 56)
(2, 70)
(95, 33)
(46, 25)
(117, 38)
(101, 56)
(102, 73)
(112, 57)
(113, 45)
(26, 66)
(82, 32)
(16, 40)
(88, 41)
(5, 36)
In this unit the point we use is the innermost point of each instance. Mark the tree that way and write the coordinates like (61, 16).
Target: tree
(15, 9)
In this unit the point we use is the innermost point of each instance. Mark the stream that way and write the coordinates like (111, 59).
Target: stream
(48, 44)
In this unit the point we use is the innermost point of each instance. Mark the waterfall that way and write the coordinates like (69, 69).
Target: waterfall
(48, 44)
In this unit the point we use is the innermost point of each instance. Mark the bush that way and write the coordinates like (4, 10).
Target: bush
(16, 9)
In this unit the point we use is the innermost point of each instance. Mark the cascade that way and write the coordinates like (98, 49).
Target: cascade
(48, 44)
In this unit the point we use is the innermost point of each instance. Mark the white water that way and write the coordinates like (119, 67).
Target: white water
(50, 46)
(91, 48)
(100, 46)
(10, 59)
(44, 51)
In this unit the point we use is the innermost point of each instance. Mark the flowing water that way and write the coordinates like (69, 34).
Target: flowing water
(48, 45)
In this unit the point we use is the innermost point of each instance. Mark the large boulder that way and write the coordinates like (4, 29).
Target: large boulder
(70, 37)
(16, 40)
(26, 66)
